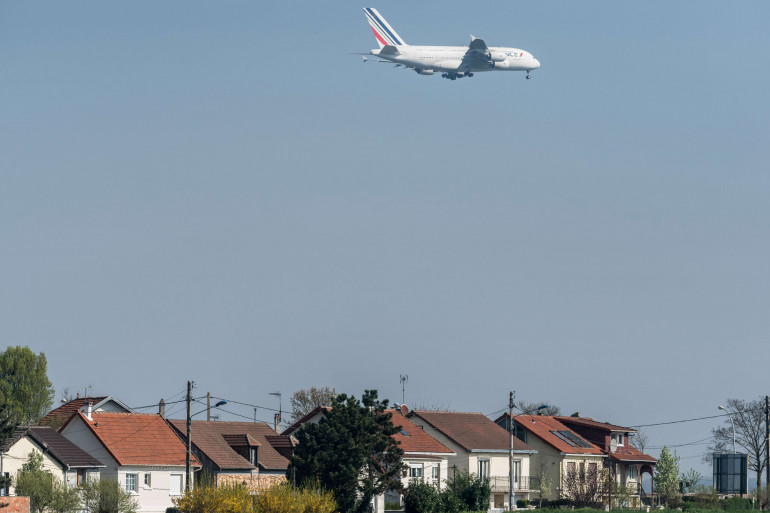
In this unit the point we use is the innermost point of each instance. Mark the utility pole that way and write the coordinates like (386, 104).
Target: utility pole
(510, 452)
(208, 406)
(189, 437)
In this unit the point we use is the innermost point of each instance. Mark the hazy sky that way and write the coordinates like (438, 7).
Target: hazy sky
(218, 191)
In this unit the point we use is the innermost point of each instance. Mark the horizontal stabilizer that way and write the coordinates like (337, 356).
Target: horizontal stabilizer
(389, 50)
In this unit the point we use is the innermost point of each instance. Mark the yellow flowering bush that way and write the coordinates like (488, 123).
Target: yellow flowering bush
(235, 498)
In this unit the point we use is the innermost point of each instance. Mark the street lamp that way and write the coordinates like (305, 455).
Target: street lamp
(729, 415)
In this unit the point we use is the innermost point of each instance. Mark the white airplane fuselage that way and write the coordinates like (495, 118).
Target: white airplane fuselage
(427, 59)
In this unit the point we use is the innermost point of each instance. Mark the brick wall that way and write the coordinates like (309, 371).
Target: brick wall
(14, 504)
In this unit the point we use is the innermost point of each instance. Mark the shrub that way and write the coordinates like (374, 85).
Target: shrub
(172, 510)
(282, 499)
(522, 503)
(421, 497)
(471, 491)
(392, 506)
(737, 504)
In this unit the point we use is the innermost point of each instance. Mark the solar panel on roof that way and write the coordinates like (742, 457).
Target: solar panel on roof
(579, 441)
(564, 438)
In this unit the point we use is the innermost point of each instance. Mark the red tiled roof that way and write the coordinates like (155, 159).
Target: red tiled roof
(413, 439)
(542, 426)
(633, 455)
(58, 416)
(211, 438)
(138, 438)
(589, 422)
(471, 431)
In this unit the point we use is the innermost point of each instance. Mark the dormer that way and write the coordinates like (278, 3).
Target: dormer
(245, 445)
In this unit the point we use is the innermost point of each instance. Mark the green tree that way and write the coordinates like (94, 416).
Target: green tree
(667, 477)
(306, 400)
(689, 480)
(46, 493)
(350, 452)
(107, 496)
(24, 385)
(469, 490)
(421, 497)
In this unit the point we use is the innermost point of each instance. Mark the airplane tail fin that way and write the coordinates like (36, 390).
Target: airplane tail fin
(383, 32)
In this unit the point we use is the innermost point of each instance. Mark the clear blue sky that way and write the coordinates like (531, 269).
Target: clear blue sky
(218, 191)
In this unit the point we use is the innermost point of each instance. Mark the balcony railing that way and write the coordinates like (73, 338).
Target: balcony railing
(500, 484)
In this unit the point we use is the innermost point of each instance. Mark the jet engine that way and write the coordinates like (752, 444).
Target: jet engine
(496, 56)
(424, 71)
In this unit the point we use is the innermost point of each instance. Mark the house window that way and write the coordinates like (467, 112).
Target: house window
(484, 469)
(253, 456)
(618, 439)
(415, 471)
(175, 484)
(131, 480)
(570, 468)
(435, 472)
(148, 480)
(81, 476)
(516, 471)
(632, 472)
(4, 490)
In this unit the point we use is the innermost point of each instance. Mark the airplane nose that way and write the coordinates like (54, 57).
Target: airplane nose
(535, 63)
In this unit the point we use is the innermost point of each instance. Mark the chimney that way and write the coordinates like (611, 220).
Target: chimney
(88, 409)
(162, 409)
(277, 422)
(404, 410)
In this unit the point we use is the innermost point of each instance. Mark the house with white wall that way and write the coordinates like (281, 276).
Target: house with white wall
(425, 458)
(141, 451)
(481, 447)
(560, 450)
(62, 458)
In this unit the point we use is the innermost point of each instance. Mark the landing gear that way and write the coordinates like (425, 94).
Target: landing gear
(528, 75)
(451, 75)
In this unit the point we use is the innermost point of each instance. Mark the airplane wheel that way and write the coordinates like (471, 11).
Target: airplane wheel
(443, 75)
(453, 78)
(470, 74)
(528, 77)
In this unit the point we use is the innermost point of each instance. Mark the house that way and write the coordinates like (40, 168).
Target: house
(58, 416)
(425, 458)
(481, 447)
(626, 463)
(249, 453)
(140, 450)
(62, 458)
(560, 451)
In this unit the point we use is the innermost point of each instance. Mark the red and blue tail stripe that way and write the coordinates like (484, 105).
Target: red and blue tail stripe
(382, 30)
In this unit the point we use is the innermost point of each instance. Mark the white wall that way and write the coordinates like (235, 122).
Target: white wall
(152, 499)
(18, 454)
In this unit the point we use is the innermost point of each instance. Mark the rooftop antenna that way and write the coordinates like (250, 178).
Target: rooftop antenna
(404, 379)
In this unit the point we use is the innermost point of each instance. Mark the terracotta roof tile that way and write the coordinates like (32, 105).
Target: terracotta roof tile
(543, 427)
(471, 431)
(414, 439)
(634, 455)
(138, 438)
(210, 437)
(60, 415)
(589, 422)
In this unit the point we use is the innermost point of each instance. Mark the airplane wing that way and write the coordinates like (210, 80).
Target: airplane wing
(476, 57)
(478, 44)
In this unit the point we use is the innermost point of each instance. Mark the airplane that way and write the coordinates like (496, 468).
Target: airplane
(452, 61)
